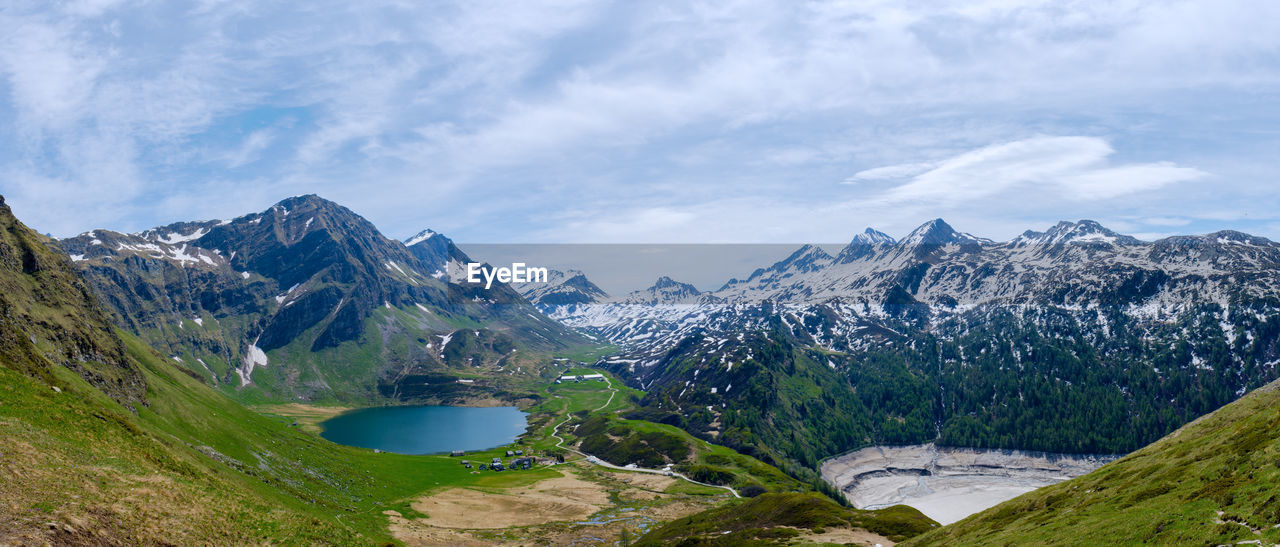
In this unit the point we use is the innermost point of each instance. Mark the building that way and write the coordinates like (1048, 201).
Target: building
(580, 378)
(457, 453)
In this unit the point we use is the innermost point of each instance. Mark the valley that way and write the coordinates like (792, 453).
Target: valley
(752, 273)
(734, 405)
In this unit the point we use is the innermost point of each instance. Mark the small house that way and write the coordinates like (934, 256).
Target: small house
(496, 460)
(519, 452)
(465, 462)
(510, 453)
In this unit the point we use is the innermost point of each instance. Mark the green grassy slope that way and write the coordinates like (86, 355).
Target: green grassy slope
(193, 466)
(777, 518)
(1214, 481)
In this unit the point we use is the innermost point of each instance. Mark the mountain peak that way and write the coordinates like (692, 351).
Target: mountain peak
(871, 236)
(937, 232)
(807, 258)
(1083, 232)
(664, 282)
(865, 245)
(305, 199)
(419, 237)
(664, 291)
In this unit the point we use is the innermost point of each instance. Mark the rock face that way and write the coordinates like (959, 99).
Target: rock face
(49, 317)
(946, 483)
(307, 293)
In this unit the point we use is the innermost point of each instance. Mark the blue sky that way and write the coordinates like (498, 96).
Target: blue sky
(655, 122)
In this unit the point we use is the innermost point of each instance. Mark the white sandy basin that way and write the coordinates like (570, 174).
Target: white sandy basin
(948, 484)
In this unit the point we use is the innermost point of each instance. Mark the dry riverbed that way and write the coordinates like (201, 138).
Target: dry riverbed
(948, 484)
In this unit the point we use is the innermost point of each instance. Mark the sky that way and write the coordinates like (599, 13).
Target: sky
(646, 122)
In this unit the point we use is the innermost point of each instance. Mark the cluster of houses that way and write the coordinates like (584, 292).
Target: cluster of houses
(580, 378)
(520, 462)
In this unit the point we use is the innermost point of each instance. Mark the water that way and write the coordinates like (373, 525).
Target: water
(425, 429)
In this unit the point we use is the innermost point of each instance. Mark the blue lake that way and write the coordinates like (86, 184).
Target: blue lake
(425, 429)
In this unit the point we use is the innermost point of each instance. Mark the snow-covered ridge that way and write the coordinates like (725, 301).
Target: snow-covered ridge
(941, 272)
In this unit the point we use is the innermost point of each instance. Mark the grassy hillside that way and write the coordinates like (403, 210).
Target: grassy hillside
(781, 518)
(193, 466)
(1214, 481)
(49, 318)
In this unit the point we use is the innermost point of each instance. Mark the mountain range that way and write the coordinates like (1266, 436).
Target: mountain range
(948, 337)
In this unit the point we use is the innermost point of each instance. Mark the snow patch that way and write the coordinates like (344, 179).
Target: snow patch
(253, 357)
(175, 238)
(422, 236)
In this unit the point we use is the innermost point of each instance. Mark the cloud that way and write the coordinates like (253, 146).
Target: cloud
(889, 172)
(1076, 167)
(419, 115)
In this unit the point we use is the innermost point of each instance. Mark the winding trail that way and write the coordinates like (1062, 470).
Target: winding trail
(555, 432)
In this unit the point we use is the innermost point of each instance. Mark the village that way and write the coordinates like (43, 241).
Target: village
(519, 461)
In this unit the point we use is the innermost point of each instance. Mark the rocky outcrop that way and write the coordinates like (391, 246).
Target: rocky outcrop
(48, 317)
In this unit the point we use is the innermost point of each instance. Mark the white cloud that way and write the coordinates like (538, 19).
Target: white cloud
(1077, 167)
(889, 172)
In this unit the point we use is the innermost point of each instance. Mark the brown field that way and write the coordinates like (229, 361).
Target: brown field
(556, 511)
(565, 498)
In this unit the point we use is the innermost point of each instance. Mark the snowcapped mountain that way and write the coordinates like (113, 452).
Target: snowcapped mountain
(865, 244)
(301, 299)
(561, 289)
(664, 292)
(1186, 322)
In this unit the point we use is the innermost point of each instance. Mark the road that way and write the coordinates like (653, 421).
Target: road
(555, 432)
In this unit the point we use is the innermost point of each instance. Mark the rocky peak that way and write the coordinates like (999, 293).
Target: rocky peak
(665, 291)
(864, 245)
(805, 259)
(935, 235)
(435, 251)
(1084, 232)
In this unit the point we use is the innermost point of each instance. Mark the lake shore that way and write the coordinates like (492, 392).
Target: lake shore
(946, 483)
